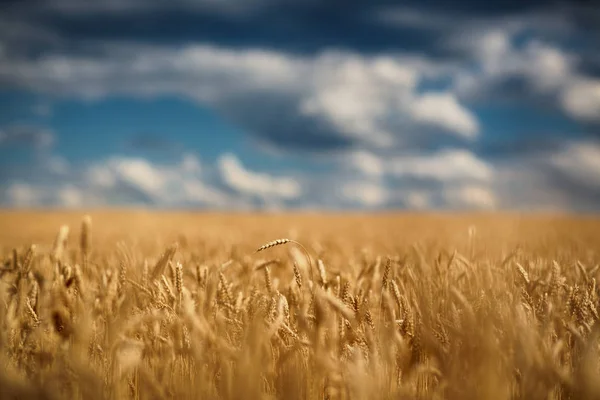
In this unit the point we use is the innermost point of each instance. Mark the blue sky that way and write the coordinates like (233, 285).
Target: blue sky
(300, 104)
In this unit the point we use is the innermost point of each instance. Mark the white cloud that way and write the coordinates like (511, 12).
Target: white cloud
(458, 179)
(23, 195)
(249, 182)
(446, 165)
(491, 47)
(70, 196)
(446, 179)
(548, 72)
(417, 199)
(180, 183)
(101, 176)
(416, 180)
(102, 183)
(141, 174)
(367, 163)
(356, 94)
(544, 71)
(201, 72)
(545, 68)
(443, 165)
(581, 99)
(366, 194)
(496, 52)
(137, 181)
(197, 191)
(581, 162)
(470, 196)
(443, 110)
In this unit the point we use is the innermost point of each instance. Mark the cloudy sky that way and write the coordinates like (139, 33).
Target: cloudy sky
(237, 104)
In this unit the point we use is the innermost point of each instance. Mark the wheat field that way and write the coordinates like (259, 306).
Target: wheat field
(137, 304)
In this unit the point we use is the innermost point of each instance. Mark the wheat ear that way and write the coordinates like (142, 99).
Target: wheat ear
(282, 241)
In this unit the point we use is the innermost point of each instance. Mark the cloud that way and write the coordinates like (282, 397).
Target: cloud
(445, 165)
(18, 34)
(121, 180)
(410, 127)
(124, 180)
(32, 195)
(191, 164)
(26, 135)
(580, 161)
(451, 178)
(417, 199)
(534, 73)
(140, 174)
(366, 163)
(366, 194)
(471, 197)
(581, 99)
(23, 195)
(58, 165)
(542, 68)
(70, 196)
(443, 110)
(556, 177)
(101, 176)
(257, 184)
(564, 177)
(408, 17)
(196, 191)
(360, 96)
(546, 66)
(328, 100)
(160, 184)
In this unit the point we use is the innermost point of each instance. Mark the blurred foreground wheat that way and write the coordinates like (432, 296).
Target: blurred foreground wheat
(80, 324)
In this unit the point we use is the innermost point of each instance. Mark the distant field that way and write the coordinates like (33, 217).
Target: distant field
(378, 231)
(147, 305)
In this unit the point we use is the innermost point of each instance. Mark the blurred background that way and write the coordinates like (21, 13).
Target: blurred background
(300, 104)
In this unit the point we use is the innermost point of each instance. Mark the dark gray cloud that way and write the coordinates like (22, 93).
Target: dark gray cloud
(26, 135)
(584, 195)
(300, 26)
(563, 173)
(275, 119)
(532, 144)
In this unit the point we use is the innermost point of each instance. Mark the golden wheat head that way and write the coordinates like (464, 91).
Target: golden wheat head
(277, 242)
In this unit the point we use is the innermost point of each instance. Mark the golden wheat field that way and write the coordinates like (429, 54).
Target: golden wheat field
(171, 305)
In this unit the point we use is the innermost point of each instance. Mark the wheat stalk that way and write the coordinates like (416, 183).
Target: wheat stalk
(282, 241)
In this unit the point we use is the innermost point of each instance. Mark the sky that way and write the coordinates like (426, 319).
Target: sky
(300, 104)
